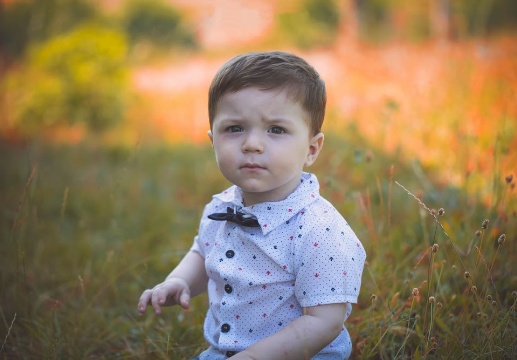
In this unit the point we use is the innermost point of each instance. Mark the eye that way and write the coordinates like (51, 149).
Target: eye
(276, 130)
(234, 129)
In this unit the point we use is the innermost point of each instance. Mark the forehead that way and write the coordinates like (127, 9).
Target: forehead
(252, 94)
(271, 102)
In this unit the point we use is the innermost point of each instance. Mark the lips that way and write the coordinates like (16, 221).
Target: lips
(252, 166)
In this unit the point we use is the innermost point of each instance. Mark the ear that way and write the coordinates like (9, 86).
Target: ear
(315, 145)
(211, 136)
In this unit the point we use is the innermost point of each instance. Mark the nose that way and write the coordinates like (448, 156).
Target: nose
(253, 142)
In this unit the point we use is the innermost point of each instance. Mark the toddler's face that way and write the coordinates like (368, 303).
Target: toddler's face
(262, 142)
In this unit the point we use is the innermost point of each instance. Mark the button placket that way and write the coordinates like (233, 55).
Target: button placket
(229, 254)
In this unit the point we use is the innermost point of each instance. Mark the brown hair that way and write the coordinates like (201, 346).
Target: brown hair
(267, 71)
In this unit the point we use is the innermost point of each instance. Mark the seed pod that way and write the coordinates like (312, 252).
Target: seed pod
(373, 298)
(501, 239)
(484, 224)
(441, 212)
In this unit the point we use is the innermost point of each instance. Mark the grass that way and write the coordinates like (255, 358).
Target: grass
(418, 157)
(86, 228)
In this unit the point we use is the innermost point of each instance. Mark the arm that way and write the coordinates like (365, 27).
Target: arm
(303, 338)
(186, 280)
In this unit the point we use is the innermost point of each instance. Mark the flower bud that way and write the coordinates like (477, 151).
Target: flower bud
(373, 298)
(501, 239)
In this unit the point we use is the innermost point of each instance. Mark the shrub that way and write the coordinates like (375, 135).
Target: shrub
(30, 21)
(314, 23)
(79, 77)
(157, 23)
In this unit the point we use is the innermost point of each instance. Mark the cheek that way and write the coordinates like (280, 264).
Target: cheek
(224, 155)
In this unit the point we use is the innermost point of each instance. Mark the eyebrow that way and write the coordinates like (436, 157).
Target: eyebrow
(272, 120)
(278, 119)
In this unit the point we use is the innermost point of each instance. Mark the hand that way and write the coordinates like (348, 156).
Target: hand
(174, 291)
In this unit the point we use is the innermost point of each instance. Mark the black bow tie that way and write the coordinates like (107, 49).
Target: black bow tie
(235, 217)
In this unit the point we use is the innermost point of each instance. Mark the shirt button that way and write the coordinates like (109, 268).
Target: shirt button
(225, 328)
(230, 254)
(228, 288)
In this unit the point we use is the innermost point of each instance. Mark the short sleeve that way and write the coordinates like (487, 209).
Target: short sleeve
(329, 263)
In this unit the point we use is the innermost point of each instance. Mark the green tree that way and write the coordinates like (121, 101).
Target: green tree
(79, 77)
(315, 23)
(483, 17)
(30, 21)
(156, 22)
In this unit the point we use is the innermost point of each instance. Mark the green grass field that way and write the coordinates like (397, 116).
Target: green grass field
(86, 228)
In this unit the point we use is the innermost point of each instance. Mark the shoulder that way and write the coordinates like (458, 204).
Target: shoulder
(322, 211)
(324, 223)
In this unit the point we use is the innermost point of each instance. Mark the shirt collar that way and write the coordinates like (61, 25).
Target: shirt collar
(272, 214)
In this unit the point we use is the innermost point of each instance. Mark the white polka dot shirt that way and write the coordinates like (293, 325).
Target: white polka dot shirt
(303, 254)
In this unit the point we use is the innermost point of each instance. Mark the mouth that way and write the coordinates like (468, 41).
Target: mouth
(251, 166)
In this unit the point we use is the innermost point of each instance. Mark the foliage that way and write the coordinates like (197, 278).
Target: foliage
(485, 16)
(156, 22)
(74, 78)
(385, 20)
(84, 229)
(313, 23)
(32, 21)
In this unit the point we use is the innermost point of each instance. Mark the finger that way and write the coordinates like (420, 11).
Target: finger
(185, 299)
(144, 301)
(156, 301)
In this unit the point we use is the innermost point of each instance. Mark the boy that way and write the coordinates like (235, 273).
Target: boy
(280, 264)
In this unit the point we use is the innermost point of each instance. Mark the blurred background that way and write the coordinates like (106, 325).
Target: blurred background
(105, 161)
(412, 77)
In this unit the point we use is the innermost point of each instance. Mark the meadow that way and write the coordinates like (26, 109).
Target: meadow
(419, 157)
(86, 227)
